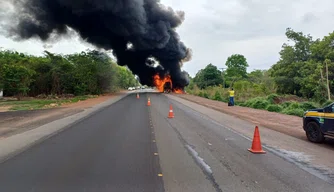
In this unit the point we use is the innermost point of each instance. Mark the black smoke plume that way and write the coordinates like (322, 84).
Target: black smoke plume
(146, 25)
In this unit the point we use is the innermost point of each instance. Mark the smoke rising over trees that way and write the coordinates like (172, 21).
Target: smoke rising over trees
(146, 25)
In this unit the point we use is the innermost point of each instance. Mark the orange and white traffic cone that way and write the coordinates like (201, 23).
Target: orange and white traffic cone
(256, 144)
(148, 102)
(137, 96)
(171, 113)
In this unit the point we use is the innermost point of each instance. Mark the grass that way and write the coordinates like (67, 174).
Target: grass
(285, 104)
(41, 103)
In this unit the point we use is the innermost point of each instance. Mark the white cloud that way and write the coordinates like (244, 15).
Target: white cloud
(215, 29)
(254, 28)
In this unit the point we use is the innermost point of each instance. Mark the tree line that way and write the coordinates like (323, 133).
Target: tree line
(89, 72)
(305, 69)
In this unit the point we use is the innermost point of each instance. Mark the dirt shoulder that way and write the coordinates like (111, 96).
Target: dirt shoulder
(287, 124)
(13, 122)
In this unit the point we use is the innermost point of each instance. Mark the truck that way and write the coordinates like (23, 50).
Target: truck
(319, 123)
(168, 87)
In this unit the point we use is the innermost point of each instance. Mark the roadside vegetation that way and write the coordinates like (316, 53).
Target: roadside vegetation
(40, 103)
(302, 79)
(54, 79)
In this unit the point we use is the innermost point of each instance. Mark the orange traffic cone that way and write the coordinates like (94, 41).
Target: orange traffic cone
(171, 113)
(256, 145)
(148, 102)
(137, 96)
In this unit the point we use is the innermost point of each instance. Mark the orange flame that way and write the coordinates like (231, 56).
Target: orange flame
(160, 82)
(178, 91)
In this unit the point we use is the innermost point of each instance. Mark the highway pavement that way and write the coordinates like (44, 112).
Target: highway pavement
(109, 151)
(129, 146)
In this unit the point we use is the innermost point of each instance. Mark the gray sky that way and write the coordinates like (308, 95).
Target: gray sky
(215, 29)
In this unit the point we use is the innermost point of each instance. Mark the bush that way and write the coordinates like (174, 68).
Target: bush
(260, 104)
(200, 94)
(272, 98)
(274, 108)
(203, 94)
(308, 105)
(294, 105)
(206, 95)
(286, 104)
(327, 103)
(217, 96)
(298, 112)
(250, 102)
(257, 103)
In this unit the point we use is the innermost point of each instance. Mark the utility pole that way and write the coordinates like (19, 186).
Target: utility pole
(223, 76)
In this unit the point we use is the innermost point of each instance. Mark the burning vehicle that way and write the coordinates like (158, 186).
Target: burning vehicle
(168, 87)
(165, 85)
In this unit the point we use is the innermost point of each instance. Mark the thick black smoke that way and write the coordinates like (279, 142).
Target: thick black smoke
(146, 25)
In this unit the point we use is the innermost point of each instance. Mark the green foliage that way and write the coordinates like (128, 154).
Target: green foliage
(206, 95)
(296, 111)
(293, 105)
(272, 98)
(217, 96)
(125, 78)
(258, 103)
(16, 79)
(236, 68)
(308, 105)
(40, 104)
(286, 104)
(84, 73)
(327, 103)
(301, 69)
(274, 108)
(209, 76)
(200, 94)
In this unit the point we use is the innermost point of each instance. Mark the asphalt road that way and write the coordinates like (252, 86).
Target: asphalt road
(109, 151)
(127, 145)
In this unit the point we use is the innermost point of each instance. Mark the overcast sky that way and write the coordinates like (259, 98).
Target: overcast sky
(215, 29)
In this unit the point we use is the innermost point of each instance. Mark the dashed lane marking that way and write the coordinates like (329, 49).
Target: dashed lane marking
(159, 175)
(155, 154)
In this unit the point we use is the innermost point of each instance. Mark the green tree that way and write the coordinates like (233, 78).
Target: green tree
(89, 72)
(17, 79)
(236, 68)
(209, 76)
(289, 72)
(256, 76)
(126, 78)
(302, 44)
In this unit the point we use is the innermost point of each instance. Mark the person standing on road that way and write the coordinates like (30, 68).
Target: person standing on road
(231, 97)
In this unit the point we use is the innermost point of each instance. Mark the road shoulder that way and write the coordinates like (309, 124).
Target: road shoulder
(14, 122)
